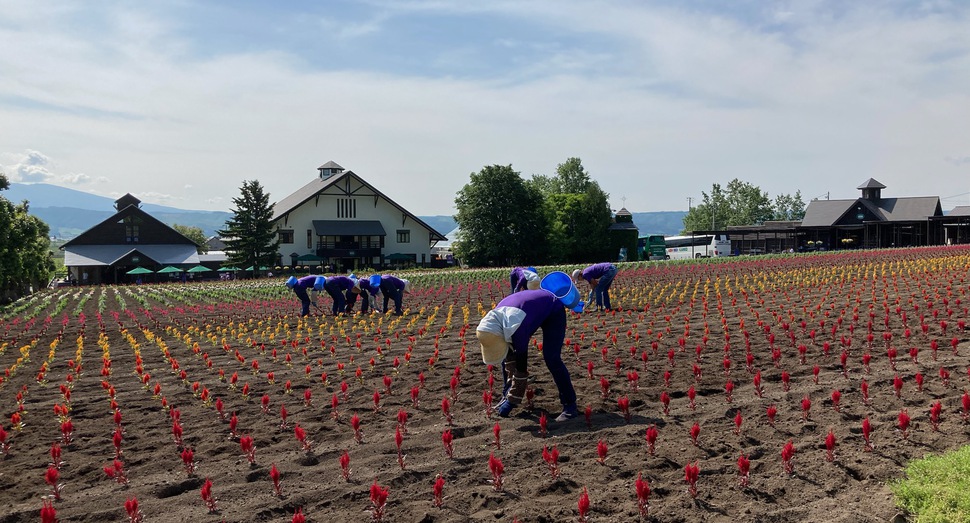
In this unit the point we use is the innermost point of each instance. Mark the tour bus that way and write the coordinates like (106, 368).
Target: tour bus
(652, 247)
(697, 246)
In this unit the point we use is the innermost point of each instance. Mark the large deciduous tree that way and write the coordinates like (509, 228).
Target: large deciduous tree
(578, 212)
(249, 235)
(26, 262)
(789, 207)
(501, 219)
(195, 234)
(739, 204)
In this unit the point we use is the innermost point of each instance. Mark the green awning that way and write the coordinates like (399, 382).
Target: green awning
(140, 270)
(228, 269)
(309, 257)
(253, 267)
(199, 268)
(169, 269)
(397, 256)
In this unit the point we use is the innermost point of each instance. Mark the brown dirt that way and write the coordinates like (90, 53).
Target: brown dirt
(657, 301)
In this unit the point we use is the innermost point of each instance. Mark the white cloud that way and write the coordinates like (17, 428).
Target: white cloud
(76, 178)
(663, 103)
(28, 167)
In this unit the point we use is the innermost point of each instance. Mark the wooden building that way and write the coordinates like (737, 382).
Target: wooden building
(129, 239)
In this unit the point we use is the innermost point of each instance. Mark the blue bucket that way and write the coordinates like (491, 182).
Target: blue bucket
(375, 280)
(561, 285)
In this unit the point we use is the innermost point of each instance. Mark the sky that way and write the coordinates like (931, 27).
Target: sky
(180, 102)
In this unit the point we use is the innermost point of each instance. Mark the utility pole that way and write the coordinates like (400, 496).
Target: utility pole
(690, 200)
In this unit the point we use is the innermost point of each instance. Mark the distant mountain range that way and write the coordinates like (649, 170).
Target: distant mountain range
(69, 212)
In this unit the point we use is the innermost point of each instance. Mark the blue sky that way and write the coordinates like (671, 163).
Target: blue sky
(179, 102)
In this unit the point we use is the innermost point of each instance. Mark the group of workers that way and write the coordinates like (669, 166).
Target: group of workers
(344, 291)
(504, 332)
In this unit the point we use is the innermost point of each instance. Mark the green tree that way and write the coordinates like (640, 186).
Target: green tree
(789, 207)
(501, 219)
(195, 234)
(739, 204)
(26, 262)
(578, 212)
(249, 235)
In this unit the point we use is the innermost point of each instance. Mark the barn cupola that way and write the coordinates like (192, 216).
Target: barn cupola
(329, 169)
(871, 190)
(125, 201)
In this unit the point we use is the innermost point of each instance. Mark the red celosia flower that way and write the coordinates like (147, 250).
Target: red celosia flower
(744, 469)
(866, 431)
(583, 505)
(691, 474)
(437, 491)
(496, 468)
(643, 495)
(903, 423)
(446, 439)
(345, 465)
(274, 474)
(788, 457)
(830, 446)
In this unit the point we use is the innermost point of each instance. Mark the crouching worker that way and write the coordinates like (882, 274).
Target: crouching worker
(504, 334)
(313, 283)
(393, 288)
(368, 289)
(336, 286)
(524, 278)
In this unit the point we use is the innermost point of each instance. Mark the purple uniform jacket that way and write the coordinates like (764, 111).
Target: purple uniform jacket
(306, 282)
(365, 285)
(393, 281)
(537, 305)
(341, 283)
(596, 271)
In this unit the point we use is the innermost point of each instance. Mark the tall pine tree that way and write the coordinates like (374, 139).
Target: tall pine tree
(250, 237)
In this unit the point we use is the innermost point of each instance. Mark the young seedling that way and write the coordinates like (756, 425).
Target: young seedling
(134, 513)
(903, 423)
(551, 457)
(301, 436)
(446, 439)
(643, 496)
(188, 461)
(830, 443)
(651, 437)
(116, 471)
(866, 435)
(378, 500)
(602, 450)
(496, 468)
(583, 506)
(48, 514)
(208, 497)
(52, 478)
(248, 448)
(274, 474)
(345, 466)
(744, 470)
(358, 432)
(691, 474)
(788, 458)
(438, 491)
(398, 440)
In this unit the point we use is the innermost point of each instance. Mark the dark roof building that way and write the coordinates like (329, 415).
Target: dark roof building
(870, 221)
(129, 239)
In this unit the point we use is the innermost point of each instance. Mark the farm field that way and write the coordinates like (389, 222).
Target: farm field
(171, 387)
